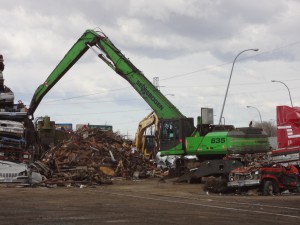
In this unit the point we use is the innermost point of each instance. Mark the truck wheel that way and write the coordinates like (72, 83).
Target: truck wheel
(269, 188)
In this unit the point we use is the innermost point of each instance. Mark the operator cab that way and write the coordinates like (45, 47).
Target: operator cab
(173, 133)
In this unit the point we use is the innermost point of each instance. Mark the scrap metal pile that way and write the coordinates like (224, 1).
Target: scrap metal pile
(92, 156)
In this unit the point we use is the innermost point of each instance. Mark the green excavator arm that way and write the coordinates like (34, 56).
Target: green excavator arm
(113, 57)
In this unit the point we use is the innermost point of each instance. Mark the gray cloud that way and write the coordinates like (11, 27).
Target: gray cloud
(190, 40)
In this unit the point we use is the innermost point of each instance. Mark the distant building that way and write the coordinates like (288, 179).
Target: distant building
(64, 126)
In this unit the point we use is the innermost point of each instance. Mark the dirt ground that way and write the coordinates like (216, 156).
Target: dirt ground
(148, 201)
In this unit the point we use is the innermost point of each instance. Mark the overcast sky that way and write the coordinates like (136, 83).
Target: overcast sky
(189, 44)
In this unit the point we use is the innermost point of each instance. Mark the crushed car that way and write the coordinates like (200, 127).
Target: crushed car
(270, 179)
(19, 173)
(12, 142)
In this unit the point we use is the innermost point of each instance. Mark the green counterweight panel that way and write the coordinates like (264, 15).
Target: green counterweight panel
(214, 143)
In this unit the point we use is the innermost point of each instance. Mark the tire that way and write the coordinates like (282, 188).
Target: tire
(270, 188)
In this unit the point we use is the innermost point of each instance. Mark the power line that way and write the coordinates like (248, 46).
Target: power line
(78, 103)
(80, 96)
(192, 72)
(211, 95)
(234, 84)
(97, 113)
(227, 63)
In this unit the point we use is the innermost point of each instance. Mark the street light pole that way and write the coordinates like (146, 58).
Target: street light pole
(252, 49)
(248, 106)
(287, 89)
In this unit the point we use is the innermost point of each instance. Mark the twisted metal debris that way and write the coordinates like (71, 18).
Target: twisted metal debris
(92, 156)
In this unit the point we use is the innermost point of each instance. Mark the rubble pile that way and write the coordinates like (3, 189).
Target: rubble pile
(215, 185)
(92, 156)
(257, 159)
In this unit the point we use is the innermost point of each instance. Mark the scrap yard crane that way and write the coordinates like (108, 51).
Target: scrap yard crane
(177, 133)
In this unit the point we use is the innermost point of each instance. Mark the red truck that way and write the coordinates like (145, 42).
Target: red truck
(282, 172)
(271, 179)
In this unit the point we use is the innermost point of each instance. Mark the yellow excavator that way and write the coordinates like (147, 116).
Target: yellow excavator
(147, 143)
